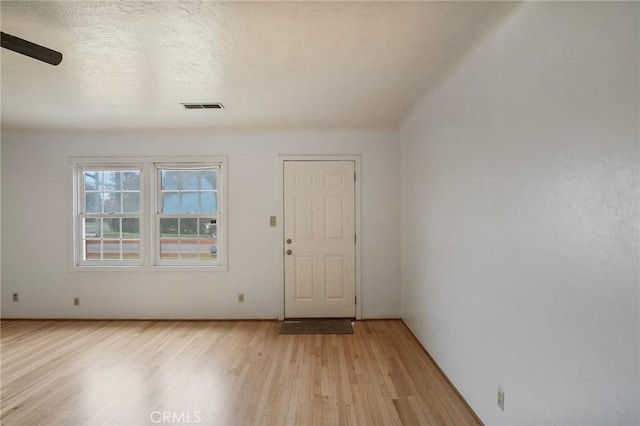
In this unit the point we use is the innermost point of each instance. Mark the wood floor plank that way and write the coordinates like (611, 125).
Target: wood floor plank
(219, 373)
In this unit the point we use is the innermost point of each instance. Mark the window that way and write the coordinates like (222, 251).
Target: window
(187, 214)
(109, 214)
(149, 213)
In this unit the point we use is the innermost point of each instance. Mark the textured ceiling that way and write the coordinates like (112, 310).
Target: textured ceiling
(272, 64)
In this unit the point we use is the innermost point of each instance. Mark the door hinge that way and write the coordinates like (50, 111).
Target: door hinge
(354, 176)
(355, 239)
(355, 300)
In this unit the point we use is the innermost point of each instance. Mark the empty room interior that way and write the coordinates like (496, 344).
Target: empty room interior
(454, 183)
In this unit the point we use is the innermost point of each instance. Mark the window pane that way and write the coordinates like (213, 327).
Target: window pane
(208, 228)
(131, 202)
(189, 203)
(92, 249)
(111, 249)
(131, 250)
(131, 228)
(170, 202)
(207, 179)
(202, 227)
(168, 227)
(189, 248)
(92, 202)
(188, 227)
(169, 249)
(207, 251)
(112, 202)
(111, 227)
(209, 202)
(131, 180)
(111, 181)
(189, 180)
(92, 180)
(91, 227)
(169, 179)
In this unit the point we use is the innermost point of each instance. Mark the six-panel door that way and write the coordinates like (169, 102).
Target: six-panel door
(319, 232)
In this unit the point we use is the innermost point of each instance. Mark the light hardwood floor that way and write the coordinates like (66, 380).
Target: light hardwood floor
(219, 373)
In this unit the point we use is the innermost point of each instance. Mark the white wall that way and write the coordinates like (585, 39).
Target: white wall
(36, 224)
(520, 218)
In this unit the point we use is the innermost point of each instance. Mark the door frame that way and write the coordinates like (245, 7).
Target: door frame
(280, 243)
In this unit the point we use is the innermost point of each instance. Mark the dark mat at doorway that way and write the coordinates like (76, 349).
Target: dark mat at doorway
(317, 326)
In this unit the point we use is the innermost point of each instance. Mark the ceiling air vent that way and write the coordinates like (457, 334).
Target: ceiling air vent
(214, 105)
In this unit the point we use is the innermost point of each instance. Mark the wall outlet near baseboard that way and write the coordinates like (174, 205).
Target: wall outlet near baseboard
(76, 301)
(16, 298)
(241, 297)
(500, 398)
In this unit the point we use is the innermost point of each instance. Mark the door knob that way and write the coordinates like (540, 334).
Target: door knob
(288, 240)
(289, 252)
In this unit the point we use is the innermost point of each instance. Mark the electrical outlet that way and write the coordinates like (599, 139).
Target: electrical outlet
(76, 301)
(272, 221)
(241, 297)
(500, 398)
(16, 298)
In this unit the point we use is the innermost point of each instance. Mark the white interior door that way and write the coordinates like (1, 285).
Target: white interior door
(319, 233)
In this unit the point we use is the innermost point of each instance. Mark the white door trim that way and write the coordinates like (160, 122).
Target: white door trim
(280, 243)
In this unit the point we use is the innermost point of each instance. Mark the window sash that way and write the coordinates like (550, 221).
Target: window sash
(101, 239)
(160, 167)
(186, 258)
(119, 189)
(82, 241)
(200, 240)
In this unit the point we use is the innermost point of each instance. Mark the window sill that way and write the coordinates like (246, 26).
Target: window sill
(189, 268)
(154, 268)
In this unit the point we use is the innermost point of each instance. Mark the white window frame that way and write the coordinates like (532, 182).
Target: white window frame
(149, 226)
(218, 216)
(80, 214)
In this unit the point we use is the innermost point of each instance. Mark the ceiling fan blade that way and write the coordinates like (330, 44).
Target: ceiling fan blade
(32, 50)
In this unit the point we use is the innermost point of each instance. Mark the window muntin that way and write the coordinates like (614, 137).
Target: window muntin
(109, 215)
(187, 214)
